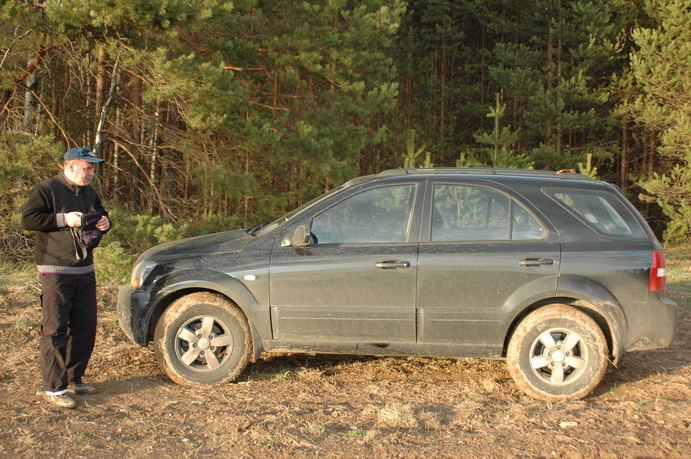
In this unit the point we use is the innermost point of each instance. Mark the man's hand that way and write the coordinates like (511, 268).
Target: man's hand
(73, 219)
(103, 224)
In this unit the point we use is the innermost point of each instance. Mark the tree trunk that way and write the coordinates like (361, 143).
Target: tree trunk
(116, 158)
(624, 170)
(30, 97)
(98, 142)
(153, 148)
(100, 80)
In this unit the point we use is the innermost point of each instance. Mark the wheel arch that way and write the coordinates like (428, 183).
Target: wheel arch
(589, 297)
(186, 283)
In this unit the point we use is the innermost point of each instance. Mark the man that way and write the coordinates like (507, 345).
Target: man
(66, 270)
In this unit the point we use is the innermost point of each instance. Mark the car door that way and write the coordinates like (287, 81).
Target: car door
(483, 252)
(355, 282)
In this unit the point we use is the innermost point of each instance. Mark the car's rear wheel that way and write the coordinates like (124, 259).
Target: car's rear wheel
(557, 353)
(202, 338)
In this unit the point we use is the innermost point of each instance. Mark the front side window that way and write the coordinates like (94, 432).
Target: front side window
(378, 215)
(470, 213)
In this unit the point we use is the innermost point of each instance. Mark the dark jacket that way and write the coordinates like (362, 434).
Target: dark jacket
(55, 250)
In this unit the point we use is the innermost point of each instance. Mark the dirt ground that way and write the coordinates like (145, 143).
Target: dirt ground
(294, 405)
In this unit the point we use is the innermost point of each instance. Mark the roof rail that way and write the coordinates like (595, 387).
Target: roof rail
(564, 173)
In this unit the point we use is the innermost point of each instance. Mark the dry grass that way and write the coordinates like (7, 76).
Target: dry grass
(396, 415)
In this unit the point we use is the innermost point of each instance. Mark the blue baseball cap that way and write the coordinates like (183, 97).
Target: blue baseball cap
(81, 153)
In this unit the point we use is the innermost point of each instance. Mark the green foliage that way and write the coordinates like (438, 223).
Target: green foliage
(230, 113)
(554, 65)
(438, 54)
(587, 169)
(17, 27)
(662, 70)
(672, 192)
(22, 324)
(101, 18)
(113, 262)
(485, 157)
(24, 162)
(679, 271)
(501, 138)
(131, 235)
(138, 233)
(549, 157)
(411, 154)
(207, 224)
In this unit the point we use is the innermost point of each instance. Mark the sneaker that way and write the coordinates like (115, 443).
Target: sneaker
(81, 389)
(62, 400)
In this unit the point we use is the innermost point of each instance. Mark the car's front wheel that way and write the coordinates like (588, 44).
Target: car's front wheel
(202, 338)
(557, 353)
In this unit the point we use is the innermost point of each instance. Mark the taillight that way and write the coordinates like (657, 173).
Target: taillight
(658, 273)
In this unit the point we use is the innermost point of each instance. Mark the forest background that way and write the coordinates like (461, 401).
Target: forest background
(215, 114)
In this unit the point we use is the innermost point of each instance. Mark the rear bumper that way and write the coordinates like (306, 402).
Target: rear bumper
(655, 327)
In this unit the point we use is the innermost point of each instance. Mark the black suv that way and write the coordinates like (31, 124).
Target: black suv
(555, 272)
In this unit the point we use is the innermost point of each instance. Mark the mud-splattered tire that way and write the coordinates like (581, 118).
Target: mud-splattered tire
(557, 353)
(202, 338)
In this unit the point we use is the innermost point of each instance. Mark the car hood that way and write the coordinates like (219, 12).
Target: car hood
(212, 244)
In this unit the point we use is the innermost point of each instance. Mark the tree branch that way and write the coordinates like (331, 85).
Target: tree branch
(159, 198)
(52, 118)
(245, 69)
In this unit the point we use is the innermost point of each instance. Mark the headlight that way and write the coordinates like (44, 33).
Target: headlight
(140, 272)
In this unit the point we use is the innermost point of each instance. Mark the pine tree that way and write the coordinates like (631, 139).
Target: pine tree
(500, 139)
(216, 109)
(440, 59)
(662, 70)
(554, 62)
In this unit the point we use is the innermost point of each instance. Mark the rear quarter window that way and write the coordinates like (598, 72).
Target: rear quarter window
(600, 211)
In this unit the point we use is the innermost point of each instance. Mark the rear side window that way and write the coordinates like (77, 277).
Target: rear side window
(475, 213)
(600, 211)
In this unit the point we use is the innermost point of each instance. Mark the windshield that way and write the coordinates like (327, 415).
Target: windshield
(277, 223)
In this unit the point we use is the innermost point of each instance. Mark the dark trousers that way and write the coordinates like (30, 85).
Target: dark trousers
(68, 328)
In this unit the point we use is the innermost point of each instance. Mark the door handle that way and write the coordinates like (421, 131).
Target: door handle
(392, 264)
(535, 262)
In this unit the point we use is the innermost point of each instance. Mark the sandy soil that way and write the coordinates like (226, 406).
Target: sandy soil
(294, 405)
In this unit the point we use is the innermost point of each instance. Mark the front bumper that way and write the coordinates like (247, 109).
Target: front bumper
(131, 314)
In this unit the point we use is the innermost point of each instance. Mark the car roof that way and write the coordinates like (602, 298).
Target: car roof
(496, 173)
(562, 174)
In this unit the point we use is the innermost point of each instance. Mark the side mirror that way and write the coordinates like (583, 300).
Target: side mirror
(300, 238)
